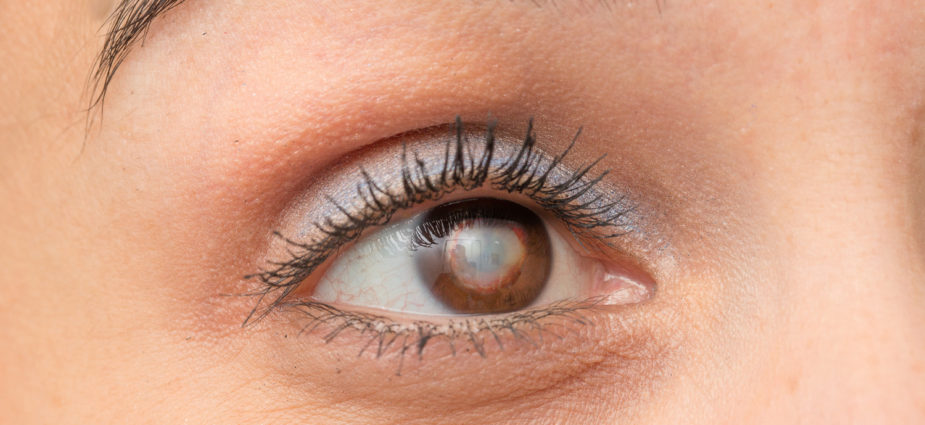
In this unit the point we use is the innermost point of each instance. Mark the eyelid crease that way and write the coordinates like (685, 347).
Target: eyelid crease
(570, 195)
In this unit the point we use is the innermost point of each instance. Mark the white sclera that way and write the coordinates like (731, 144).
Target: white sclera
(381, 272)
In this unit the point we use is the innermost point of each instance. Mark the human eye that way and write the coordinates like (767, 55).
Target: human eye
(453, 233)
(467, 258)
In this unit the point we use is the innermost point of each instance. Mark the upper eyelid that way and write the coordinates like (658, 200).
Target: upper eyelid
(520, 167)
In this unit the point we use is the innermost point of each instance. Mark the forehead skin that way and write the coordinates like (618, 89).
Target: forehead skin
(781, 144)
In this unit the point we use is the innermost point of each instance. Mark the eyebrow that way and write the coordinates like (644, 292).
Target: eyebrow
(126, 26)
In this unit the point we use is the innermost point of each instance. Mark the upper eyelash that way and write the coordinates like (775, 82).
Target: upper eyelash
(526, 172)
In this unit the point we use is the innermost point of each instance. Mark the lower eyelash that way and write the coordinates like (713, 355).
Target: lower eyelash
(385, 334)
(569, 195)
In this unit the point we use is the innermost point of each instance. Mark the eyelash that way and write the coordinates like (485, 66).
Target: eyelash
(525, 326)
(526, 171)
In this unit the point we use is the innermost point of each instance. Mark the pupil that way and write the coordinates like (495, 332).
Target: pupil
(489, 255)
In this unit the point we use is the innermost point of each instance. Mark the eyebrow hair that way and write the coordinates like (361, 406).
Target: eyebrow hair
(127, 25)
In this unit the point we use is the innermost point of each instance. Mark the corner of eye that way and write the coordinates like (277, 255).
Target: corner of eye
(616, 282)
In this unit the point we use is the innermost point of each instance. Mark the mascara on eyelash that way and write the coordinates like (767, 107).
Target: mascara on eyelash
(464, 164)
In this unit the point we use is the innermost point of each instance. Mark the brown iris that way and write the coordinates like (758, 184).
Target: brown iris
(486, 255)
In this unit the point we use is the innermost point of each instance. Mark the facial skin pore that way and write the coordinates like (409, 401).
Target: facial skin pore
(774, 149)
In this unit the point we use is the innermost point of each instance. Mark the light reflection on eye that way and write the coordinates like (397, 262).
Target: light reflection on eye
(478, 256)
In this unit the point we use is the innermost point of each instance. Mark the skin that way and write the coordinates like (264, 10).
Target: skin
(776, 149)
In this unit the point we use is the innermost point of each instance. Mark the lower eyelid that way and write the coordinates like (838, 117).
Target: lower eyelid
(627, 344)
